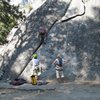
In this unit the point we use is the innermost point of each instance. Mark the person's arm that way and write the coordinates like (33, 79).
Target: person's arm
(54, 62)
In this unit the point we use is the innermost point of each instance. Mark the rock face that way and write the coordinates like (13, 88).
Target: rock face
(77, 39)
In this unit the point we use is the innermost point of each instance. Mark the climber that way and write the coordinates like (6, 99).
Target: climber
(37, 69)
(36, 72)
(43, 34)
(58, 62)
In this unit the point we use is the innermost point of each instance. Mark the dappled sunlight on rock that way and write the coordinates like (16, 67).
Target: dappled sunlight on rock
(77, 40)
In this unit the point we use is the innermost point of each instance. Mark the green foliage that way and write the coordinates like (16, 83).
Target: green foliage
(9, 14)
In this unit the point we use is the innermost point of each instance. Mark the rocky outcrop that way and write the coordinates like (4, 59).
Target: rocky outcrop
(76, 38)
(25, 39)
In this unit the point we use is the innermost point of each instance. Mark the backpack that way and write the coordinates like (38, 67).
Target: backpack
(60, 61)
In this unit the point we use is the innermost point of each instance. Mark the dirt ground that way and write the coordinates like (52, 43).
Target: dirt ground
(61, 92)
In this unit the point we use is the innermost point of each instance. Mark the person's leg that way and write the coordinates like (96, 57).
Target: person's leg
(34, 71)
(62, 76)
(40, 69)
(58, 76)
(38, 72)
(42, 39)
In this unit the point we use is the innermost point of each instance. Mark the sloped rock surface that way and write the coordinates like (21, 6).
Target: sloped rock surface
(25, 39)
(77, 39)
